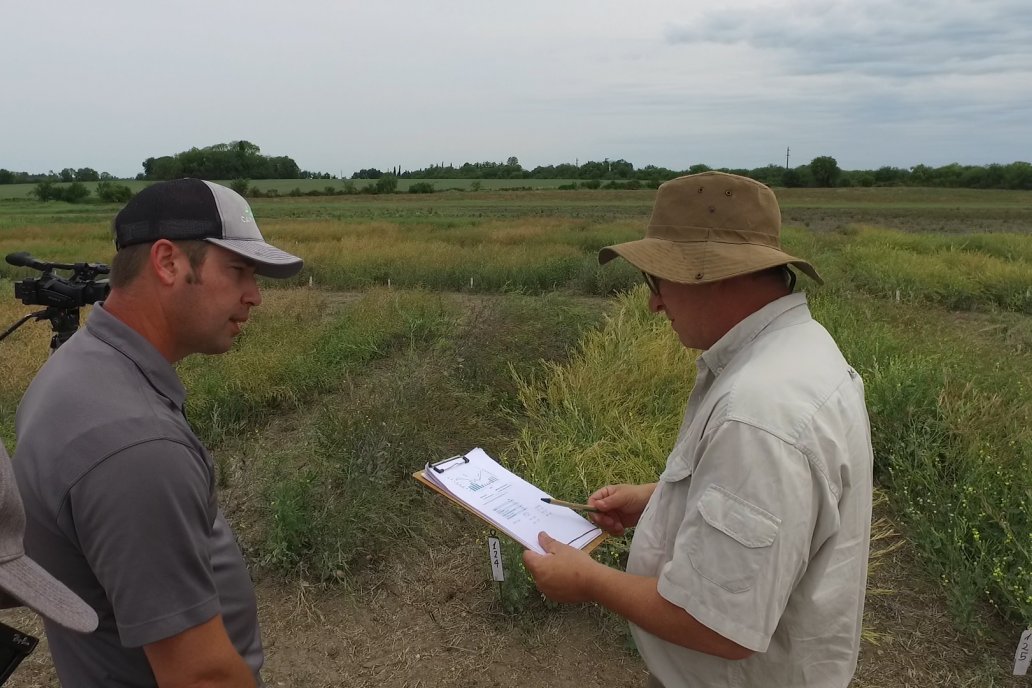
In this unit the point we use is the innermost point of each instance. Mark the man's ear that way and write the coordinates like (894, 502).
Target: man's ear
(165, 259)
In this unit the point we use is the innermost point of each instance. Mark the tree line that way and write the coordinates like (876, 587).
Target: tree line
(244, 160)
(233, 160)
(822, 171)
(67, 175)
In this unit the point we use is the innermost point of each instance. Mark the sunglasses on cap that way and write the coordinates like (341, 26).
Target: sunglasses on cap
(653, 281)
(14, 647)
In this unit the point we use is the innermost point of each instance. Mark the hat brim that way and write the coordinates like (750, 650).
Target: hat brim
(698, 262)
(30, 584)
(271, 261)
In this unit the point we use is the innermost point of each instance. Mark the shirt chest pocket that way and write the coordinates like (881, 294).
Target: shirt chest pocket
(729, 540)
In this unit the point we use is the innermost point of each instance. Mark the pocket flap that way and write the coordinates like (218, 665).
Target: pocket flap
(747, 523)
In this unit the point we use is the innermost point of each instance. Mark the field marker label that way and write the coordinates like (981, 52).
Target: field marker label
(494, 547)
(1023, 655)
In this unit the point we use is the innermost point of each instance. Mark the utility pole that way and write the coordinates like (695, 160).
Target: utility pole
(787, 149)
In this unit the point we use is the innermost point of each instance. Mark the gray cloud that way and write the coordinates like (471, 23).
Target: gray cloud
(345, 85)
(887, 39)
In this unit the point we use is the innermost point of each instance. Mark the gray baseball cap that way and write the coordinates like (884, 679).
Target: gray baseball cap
(21, 577)
(185, 209)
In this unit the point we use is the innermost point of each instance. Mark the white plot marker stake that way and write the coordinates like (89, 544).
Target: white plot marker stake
(1023, 655)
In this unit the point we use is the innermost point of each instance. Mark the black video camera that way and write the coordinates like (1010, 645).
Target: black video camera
(61, 297)
(50, 289)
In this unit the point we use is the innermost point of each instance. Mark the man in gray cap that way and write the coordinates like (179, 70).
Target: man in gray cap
(24, 582)
(119, 491)
(748, 564)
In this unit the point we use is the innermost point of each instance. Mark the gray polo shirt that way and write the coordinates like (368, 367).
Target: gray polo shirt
(760, 524)
(121, 506)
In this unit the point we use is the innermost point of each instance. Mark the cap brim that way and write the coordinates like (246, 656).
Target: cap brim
(683, 262)
(271, 261)
(30, 584)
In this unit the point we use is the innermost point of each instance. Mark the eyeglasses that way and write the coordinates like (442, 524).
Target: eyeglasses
(652, 281)
(14, 647)
(790, 277)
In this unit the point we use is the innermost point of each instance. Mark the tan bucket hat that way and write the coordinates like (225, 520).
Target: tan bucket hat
(708, 227)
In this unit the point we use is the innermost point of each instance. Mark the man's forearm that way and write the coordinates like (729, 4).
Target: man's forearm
(637, 599)
(199, 657)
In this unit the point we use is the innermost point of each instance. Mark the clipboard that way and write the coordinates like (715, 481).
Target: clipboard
(462, 459)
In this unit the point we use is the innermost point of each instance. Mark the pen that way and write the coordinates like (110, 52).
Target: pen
(569, 505)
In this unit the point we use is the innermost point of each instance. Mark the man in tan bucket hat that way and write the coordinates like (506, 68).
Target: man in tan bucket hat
(749, 559)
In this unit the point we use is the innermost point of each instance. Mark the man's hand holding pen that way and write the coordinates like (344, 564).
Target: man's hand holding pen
(619, 506)
(567, 574)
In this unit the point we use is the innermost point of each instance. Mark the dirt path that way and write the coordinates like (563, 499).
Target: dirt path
(429, 617)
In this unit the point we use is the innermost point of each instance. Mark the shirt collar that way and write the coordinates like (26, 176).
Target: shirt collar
(788, 310)
(134, 346)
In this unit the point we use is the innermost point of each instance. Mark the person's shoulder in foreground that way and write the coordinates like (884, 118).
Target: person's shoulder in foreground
(120, 493)
(748, 565)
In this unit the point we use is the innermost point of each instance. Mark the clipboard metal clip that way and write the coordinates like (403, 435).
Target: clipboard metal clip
(451, 462)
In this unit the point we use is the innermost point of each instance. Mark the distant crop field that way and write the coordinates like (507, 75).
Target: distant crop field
(437, 321)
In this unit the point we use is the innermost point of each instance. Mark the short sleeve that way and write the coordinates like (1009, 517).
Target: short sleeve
(745, 539)
(143, 518)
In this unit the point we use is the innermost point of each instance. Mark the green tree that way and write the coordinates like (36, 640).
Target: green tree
(1018, 175)
(233, 160)
(620, 169)
(76, 192)
(109, 192)
(825, 170)
(921, 175)
(86, 174)
(792, 179)
(887, 175)
(44, 191)
(386, 184)
(593, 170)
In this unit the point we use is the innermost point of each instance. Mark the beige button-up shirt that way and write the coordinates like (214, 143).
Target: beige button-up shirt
(760, 524)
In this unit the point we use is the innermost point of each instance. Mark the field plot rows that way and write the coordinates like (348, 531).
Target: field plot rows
(490, 332)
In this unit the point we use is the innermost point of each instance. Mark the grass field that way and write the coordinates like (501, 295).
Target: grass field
(435, 323)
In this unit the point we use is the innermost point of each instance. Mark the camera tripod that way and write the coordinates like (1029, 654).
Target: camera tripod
(63, 321)
(62, 297)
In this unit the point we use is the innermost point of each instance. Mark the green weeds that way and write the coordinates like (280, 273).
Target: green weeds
(349, 497)
(951, 415)
(296, 348)
(378, 382)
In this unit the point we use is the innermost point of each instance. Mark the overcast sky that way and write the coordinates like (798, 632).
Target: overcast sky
(339, 86)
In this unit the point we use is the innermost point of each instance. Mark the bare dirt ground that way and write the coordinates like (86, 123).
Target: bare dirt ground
(428, 616)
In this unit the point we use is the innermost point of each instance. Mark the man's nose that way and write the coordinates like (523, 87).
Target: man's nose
(253, 295)
(655, 303)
